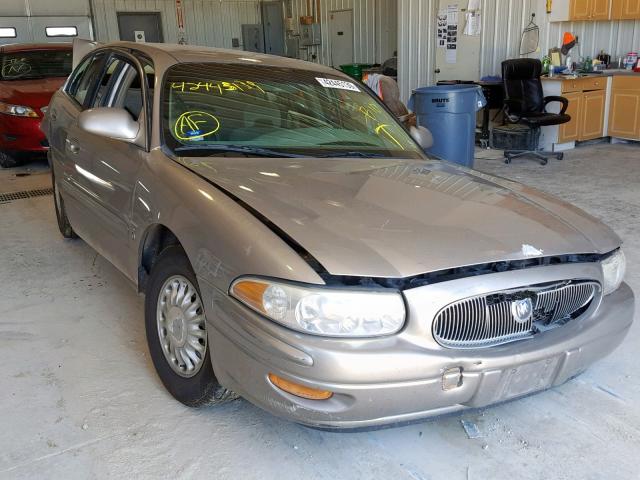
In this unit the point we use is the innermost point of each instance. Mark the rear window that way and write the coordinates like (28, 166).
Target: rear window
(35, 64)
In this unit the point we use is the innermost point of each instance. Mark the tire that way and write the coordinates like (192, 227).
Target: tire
(66, 230)
(7, 161)
(198, 387)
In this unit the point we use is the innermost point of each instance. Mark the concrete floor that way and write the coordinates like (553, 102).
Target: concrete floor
(80, 398)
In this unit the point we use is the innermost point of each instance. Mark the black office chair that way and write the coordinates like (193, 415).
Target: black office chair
(525, 105)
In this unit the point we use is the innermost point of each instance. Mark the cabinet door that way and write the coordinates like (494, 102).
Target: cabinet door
(624, 117)
(569, 132)
(600, 9)
(630, 9)
(580, 9)
(592, 118)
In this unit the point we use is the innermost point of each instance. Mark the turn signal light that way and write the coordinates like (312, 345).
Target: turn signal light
(299, 390)
(251, 293)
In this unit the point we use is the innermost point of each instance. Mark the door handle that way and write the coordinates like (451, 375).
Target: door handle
(437, 70)
(72, 146)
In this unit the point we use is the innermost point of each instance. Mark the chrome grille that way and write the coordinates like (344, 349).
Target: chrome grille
(487, 320)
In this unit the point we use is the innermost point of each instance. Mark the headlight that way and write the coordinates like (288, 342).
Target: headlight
(323, 311)
(613, 269)
(17, 110)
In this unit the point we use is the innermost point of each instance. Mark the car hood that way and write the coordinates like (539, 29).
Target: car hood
(33, 93)
(400, 218)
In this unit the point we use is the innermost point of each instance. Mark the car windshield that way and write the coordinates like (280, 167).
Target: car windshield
(36, 64)
(254, 110)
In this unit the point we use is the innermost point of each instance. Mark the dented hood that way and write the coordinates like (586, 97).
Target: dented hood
(400, 218)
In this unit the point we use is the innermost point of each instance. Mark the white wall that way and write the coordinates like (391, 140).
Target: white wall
(502, 25)
(207, 22)
(30, 17)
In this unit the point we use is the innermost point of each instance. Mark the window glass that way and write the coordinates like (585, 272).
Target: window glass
(61, 31)
(283, 109)
(85, 78)
(108, 78)
(124, 87)
(7, 32)
(36, 64)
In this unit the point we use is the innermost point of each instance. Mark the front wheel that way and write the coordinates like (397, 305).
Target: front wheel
(61, 214)
(177, 332)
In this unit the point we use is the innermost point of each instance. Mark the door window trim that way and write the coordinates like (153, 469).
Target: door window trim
(90, 98)
(145, 118)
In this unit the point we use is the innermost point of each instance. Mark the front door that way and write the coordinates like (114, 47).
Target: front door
(458, 57)
(140, 27)
(341, 37)
(115, 163)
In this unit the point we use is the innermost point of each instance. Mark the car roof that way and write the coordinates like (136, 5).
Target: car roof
(26, 47)
(171, 54)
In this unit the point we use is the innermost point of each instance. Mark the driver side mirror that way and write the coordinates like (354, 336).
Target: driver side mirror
(422, 136)
(108, 122)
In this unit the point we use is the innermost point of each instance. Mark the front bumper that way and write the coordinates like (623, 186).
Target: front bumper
(400, 378)
(21, 134)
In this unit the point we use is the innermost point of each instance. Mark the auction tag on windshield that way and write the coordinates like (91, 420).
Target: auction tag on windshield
(339, 84)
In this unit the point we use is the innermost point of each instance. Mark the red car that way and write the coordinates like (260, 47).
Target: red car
(29, 76)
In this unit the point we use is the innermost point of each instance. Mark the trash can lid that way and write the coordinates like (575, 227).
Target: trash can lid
(446, 88)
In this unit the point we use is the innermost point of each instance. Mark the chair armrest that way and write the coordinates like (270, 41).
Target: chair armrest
(553, 98)
(517, 105)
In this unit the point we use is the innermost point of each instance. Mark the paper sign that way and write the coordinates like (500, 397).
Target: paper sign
(339, 84)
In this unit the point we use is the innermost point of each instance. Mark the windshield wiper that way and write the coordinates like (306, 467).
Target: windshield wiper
(351, 155)
(260, 152)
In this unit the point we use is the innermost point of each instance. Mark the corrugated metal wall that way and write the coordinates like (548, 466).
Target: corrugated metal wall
(207, 22)
(416, 44)
(503, 22)
(374, 21)
(216, 22)
(31, 17)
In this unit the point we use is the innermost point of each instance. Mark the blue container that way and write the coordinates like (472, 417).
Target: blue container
(449, 112)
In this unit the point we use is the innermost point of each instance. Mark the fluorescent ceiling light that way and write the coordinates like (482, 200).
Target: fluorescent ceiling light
(61, 31)
(7, 32)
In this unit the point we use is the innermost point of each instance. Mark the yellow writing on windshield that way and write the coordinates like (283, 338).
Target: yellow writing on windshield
(369, 112)
(384, 130)
(195, 125)
(216, 87)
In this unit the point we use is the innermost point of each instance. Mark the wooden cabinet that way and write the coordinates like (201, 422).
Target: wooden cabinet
(624, 113)
(580, 10)
(570, 132)
(587, 100)
(589, 9)
(625, 10)
(593, 10)
(592, 115)
(600, 9)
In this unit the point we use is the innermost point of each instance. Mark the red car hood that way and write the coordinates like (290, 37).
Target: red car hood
(32, 93)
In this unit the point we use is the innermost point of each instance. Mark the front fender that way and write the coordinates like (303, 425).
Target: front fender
(221, 238)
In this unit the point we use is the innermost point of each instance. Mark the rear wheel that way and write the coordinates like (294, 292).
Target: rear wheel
(177, 332)
(61, 214)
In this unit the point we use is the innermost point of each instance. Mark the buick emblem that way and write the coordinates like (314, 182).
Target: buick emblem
(522, 310)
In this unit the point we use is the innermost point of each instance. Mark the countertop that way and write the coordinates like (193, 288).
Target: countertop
(606, 73)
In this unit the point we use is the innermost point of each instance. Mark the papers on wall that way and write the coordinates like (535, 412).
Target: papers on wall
(442, 29)
(452, 33)
(473, 24)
